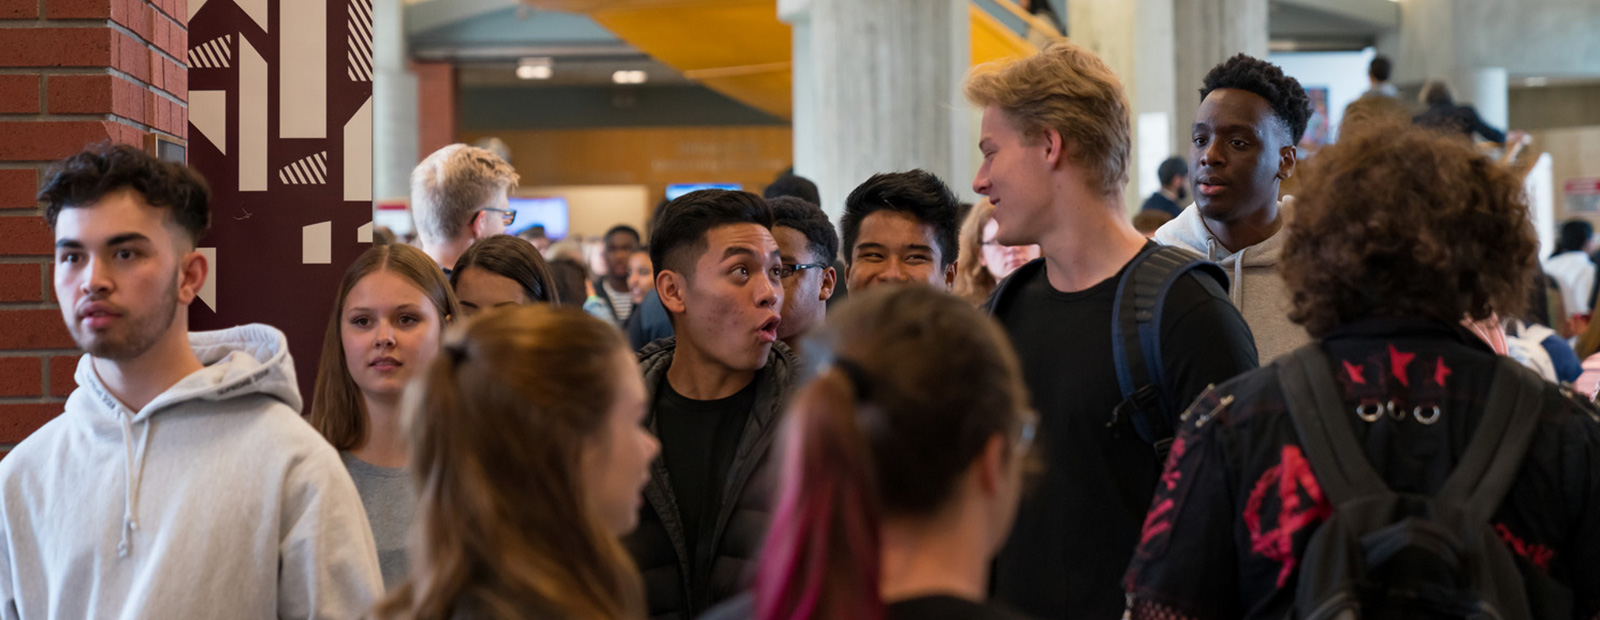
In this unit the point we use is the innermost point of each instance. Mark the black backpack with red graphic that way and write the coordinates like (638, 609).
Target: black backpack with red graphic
(1384, 554)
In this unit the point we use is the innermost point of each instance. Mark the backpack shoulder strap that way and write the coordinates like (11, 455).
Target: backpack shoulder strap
(1337, 458)
(1136, 336)
(1491, 460)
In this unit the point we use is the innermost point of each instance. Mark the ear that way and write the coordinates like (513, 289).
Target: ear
(1055, 147)
(192, 270)
(670, 286)
(830, 279)
(950, 274)
(991, 466)
(478, 225)
(848, 267)
(1286, 162)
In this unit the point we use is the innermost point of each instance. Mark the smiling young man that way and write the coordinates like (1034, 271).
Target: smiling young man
(807, 244)
(1055, 141)
(901, 227)
(1241, 147)
(716, 387)
(180, 481)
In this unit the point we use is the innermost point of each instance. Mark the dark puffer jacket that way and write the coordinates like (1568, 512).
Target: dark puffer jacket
(659, 546)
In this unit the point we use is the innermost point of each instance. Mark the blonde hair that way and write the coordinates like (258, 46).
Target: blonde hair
(497, 425)
(973, 280)
(1067, 89)
(451, 185)
(337, 409)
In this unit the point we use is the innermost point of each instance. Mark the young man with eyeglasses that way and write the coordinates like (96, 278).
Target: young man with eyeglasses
(901, 227)
(807, 245)
(458, 196)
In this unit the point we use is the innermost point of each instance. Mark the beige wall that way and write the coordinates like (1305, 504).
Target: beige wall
(592, 209)
(1554, 107)
(1575, 153)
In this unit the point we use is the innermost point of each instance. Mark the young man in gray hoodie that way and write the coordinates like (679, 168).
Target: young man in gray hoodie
(180, 482)
(1242, 146)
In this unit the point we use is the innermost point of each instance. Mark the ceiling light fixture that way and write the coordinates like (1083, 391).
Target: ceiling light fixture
(623, 76)
(534, 69)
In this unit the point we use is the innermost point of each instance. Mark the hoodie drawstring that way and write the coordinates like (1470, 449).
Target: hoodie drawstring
(1236, 291)
(135, 465)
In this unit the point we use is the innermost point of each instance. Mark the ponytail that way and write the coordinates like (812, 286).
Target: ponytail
(822, 557)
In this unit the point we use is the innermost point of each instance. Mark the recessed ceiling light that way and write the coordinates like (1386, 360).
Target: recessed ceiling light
(534, 69)
(623, 76)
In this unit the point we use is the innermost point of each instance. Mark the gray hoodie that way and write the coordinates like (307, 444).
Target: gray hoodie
(1254, 285)
(217, 500)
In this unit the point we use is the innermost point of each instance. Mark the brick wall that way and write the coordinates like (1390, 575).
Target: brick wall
(72, 73)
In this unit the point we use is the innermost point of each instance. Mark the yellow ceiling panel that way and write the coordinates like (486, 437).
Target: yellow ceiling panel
(739, 47)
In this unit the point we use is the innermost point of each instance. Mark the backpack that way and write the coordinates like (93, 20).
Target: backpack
(1136, 336)
(1383, 554)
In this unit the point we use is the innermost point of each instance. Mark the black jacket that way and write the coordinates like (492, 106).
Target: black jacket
(659, 545)
(1462, 118)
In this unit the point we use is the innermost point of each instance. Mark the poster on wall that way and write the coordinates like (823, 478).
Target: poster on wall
(1582, 195)
(1318, 131)
(280, 124)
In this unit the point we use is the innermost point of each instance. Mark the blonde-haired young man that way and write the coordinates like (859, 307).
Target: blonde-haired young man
(1055, 142)
(458, 196)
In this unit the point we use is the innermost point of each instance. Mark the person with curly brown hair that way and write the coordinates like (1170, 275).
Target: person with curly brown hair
(1398, 234)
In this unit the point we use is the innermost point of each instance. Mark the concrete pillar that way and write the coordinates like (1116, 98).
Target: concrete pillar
(394, 104)
(1207, 32)
(1135, 38)
(877, 88)
(1489, 93)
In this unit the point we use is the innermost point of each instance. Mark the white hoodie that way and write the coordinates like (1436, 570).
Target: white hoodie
(215, 501)
(1254, 285)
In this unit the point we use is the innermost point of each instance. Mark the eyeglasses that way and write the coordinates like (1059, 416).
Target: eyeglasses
(1028, 430)
(786, 271)
(506, 215)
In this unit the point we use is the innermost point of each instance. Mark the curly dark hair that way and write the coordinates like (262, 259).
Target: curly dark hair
(808, 218)
(917, 193)
(1247, 73)
(85, 178)
(1397, 221)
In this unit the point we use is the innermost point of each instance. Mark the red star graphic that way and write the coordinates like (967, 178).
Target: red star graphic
(1440, 371)
(1355, 373)
(1398, 362)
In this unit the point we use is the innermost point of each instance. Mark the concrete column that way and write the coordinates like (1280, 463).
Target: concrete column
(394, 104)
(1135, 38)
(1489, 93)
(1208, 32)
(878, 89)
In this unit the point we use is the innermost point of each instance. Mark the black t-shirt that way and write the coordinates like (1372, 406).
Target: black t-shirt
(1160, 202)
(1239, 502)
(941, 607)
(698, 442)
(1077, 527)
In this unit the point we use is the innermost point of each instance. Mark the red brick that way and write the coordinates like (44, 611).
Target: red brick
(21, 376)
(127, 99)
(183, 122)
(44, 141)
(19, 421)
(33, 329)
(19, 94)
(78, 9)
(21, 282)
(177, 81)
(55, 47)
(25, 236)
(18, 189)
(158, 71)
(159, 27)
(63, 369)
(133, 57)
(80, 94)
(179, 44)
(19, 9)
(128, 134)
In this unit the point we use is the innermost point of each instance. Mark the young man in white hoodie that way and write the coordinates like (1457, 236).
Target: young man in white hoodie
(180, 482)
(1241, 147)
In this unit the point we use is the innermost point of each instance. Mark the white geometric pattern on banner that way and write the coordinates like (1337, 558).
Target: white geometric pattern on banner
(311, 170)
(359, 56)
(214, 54)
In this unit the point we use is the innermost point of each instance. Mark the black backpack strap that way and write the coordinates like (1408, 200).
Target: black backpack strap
(1337, 457)
(1491, 460)
(1147, 401)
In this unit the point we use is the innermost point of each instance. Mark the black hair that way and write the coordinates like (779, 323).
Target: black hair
(624, 228)
(681, 226)
(510, 257)
(1436, 92)
(1380, 68)
(85, 178)
(917, 193)
(1575, 236)
(796, 186)
(1288, 100)
(1171, 168)
(808, 218)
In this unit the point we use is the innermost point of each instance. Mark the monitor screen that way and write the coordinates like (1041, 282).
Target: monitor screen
(550, 212)
(678, 189)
